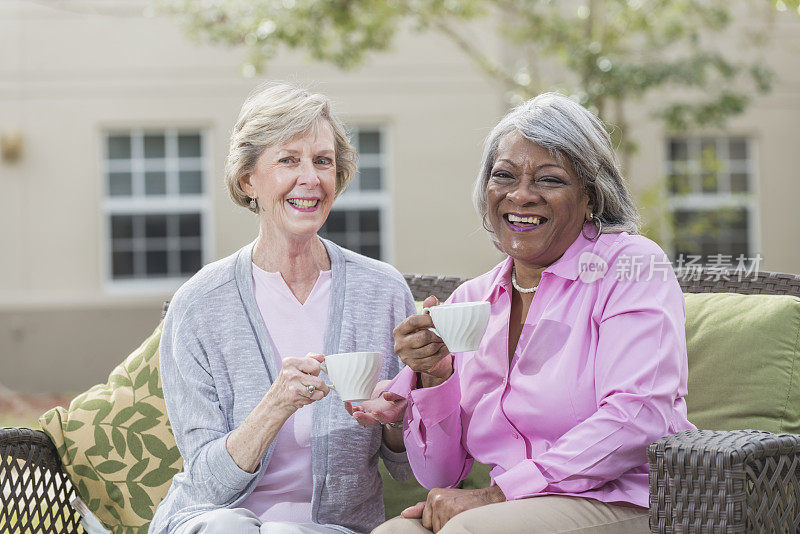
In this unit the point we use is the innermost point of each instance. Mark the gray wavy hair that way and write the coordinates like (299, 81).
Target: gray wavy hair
(275, 113)
(565, 128)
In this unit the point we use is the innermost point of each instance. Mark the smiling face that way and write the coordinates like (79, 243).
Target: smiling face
(536, 203)
(295, 183)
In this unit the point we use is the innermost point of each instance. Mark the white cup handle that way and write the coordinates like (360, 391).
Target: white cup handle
(325, 370)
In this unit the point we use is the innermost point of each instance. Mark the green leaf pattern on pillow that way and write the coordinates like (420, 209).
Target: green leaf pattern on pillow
(116, 443)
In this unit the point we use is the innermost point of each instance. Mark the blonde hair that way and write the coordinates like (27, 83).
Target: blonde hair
(275, 113)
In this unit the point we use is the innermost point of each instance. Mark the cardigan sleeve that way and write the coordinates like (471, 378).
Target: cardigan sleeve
(195, 414)
(397, 462)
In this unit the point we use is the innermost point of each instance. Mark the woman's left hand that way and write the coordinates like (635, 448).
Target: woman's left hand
(444, 503)
(382, 407)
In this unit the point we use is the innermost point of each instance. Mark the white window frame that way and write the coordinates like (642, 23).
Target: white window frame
(698, 200)
(355, 199)
(172, 203)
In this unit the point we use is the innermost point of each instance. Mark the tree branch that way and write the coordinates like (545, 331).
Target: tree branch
(491, 68)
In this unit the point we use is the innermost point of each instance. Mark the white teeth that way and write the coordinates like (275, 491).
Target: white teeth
(302, 203)
(528, 220)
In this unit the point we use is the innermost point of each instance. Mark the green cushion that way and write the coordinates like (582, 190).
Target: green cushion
(743, 361)
(116, 443)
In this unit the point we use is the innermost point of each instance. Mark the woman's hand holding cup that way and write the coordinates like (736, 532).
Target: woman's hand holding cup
(298, 384)
(421, 349)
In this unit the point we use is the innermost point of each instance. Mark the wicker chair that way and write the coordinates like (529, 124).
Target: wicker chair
(700, 481)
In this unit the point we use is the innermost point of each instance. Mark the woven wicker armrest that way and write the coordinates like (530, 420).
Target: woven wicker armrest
(34, 490)
(715, 481)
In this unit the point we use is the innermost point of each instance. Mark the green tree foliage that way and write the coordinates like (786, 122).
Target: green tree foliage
(609, 52)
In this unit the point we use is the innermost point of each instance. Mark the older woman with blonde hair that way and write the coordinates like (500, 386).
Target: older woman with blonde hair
(266, 446)
(583, 363)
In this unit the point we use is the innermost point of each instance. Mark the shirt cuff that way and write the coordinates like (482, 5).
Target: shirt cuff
(437, 403)
(521, 481)
(403, 383)
(224, 469)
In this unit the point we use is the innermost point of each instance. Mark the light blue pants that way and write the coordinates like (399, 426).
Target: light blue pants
(242, 520)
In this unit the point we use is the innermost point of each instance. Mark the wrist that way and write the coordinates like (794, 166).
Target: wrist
(438, 374)
(430, 381)
(494, 494)
(394, 425)
(272, 407)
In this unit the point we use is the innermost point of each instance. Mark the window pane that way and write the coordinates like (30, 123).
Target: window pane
(373, 251)
(709, 182)
(370, 238)
(739, 182)
(336, 222)
(369, 142)
(709, 162)
(155, 183)
(678, 150)
(190, 261)
(119, 184)
(679, 184)
(155, 226)
(121, 226)
(151, 243)
(711, 248)
(738, 221)
(154, 146)
(708, 232)
(189, 146)
(708, 146)
(370, 179)
(737, 149)
(156, 262)
(119, 147)
(738, 248)
(369, 221)
(190, 182)
(189, 225)
(338, 238)
(122, 264)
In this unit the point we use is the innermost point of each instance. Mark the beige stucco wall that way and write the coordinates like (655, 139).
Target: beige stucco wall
(65, 77)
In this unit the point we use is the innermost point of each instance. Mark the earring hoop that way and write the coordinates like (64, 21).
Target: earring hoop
(598, 224)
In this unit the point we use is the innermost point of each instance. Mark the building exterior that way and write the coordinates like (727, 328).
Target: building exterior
(117, 194)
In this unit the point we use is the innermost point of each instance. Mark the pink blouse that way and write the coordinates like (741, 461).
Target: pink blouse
(284, 491)
(598, 374)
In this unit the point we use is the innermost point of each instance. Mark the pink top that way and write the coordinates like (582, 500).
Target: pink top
(284, 491)
(599, 373)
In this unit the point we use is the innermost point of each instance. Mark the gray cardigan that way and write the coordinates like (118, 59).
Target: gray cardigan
(217, 363)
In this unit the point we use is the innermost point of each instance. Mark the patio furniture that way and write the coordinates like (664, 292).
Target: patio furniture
(700, 481)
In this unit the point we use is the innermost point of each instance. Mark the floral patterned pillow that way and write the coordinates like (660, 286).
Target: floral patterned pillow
(116, 443)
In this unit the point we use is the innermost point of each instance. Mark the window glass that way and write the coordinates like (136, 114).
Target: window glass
(708, 184)
(155, 222)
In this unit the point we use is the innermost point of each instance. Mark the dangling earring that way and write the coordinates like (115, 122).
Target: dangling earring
(598, 224)
(253, 204)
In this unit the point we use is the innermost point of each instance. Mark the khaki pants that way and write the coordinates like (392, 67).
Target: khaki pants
(547, 514)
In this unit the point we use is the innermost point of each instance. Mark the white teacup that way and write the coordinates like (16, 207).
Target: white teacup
(354, 374)
(460, 325)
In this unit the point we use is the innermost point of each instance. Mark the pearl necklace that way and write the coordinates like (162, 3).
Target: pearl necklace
(518, 287)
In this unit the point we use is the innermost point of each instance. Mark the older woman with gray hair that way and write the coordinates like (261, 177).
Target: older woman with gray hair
(583, 363)
(266, 446)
